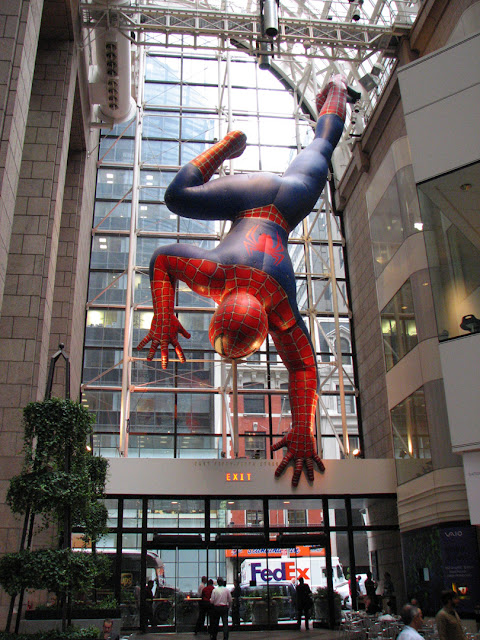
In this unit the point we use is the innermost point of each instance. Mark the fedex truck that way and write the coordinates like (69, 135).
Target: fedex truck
(260, 571)
(300, 562)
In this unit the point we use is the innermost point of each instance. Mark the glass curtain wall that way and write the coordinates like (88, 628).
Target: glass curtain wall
(260, 544)
(189, 102)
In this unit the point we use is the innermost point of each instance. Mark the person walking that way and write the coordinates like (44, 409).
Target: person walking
(449, 625)
(221, 601)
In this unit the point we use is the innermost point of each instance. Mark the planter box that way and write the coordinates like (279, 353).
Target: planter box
(260, 613)
(321, 612)
(31, 626)
(86, 614)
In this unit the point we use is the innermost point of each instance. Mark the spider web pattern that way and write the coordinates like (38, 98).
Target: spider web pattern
(333, 98)
(214, 280)
(269, 212)
(239, 326)
(232, 146)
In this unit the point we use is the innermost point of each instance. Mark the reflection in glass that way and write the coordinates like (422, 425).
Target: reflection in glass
(233, 513)
(411, 436)
(399, 328)
(450, 216)
(175, 513)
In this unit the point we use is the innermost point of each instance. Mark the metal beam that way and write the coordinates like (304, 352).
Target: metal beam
(216, 30)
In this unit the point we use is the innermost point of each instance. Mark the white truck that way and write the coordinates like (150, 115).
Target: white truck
(284, 570)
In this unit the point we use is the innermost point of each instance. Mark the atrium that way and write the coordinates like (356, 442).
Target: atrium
(102, 103)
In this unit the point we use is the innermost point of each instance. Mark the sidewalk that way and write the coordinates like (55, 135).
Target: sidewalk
(269, 634)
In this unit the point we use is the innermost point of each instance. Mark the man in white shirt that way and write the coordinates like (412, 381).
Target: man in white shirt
(221, 599)
(413, 619)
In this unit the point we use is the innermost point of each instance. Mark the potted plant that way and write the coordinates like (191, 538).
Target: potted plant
(264, 611)
(186, 611)
(320, 605)
(61, 485)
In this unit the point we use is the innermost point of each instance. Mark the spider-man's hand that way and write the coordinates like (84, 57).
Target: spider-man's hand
(164, 331)
(301, 448)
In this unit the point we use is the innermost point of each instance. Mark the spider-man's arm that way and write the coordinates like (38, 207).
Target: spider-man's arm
(165, 325)
(296, 351)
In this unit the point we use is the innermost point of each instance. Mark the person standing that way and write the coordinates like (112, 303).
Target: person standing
(412, 618)
(146, 606)
(236, 595)
(304, 602)
(449, 625)
(204, 606)
(370, 591)
(292, 594)
(370, 586)
(221, 601)
(389, 593)
(202, 586)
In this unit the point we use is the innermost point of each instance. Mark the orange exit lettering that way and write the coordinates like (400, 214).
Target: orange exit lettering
(238, 477)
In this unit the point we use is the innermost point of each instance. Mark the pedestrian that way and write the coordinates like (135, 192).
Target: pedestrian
(304, 602)
(449, 625)
(146, 607)
(221, 601)
(236, 595)
(389, 593)
(204, 606)
(412, 618)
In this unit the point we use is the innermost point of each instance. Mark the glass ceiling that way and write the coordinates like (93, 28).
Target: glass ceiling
(315, 38)
(382, 12)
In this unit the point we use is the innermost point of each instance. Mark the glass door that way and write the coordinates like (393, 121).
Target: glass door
(171, 599)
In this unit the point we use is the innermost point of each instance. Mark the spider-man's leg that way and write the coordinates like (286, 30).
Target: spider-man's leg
(169, 264)
(191, 193)
(297, 353)
(303, 181)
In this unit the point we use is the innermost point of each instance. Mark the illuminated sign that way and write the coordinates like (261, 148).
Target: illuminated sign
(238, 477)
(298, 551)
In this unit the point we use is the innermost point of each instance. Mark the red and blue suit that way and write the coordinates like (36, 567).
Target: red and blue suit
(253, 257)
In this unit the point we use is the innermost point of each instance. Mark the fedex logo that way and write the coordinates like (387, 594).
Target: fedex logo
(286, 571)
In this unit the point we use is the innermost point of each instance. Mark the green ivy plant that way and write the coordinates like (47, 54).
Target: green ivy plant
(88, 633)
(55, 570)
(55, 429)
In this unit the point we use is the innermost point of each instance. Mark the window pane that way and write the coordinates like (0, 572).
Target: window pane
(399, 328)
(411, 436)
(452, 257)
(236, 513)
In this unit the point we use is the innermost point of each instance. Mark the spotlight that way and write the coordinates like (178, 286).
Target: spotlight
(356, 15)
(356, 453)
(369, 82)
(470, 323)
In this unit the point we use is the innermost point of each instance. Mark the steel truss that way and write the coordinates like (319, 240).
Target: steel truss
(219, 31)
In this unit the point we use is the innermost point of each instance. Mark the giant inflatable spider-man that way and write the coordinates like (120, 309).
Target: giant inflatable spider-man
(250, 274)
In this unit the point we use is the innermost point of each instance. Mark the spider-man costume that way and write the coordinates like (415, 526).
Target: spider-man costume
(253, 257)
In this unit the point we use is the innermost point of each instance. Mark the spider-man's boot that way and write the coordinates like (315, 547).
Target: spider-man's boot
(332, 108)
(232, 146)
(333, 98)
